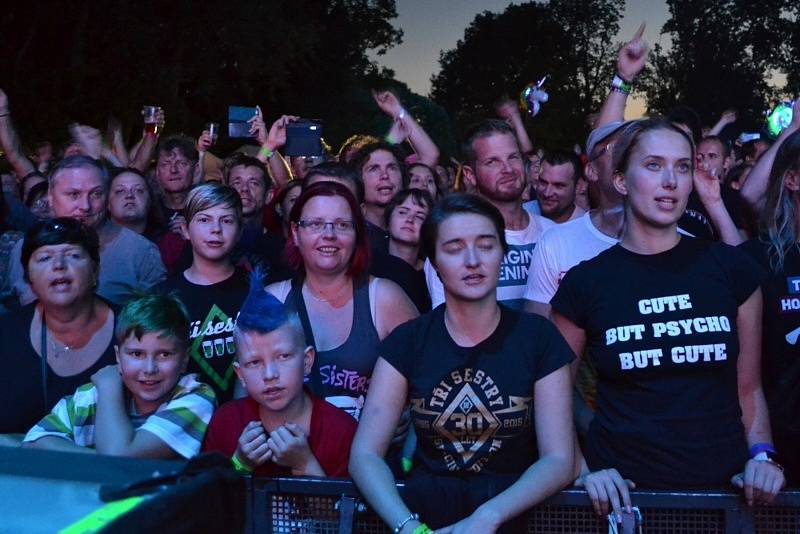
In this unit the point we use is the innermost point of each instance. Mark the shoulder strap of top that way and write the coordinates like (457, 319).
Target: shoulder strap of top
(295, 299)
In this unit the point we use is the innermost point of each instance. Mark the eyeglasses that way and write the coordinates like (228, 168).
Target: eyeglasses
(317, 226)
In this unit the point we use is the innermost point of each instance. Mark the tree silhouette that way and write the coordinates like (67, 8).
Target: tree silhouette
(721, 55)
(500, 53)
(88, 60)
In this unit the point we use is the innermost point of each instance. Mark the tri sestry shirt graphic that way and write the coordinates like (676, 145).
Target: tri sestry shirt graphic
(469, 418)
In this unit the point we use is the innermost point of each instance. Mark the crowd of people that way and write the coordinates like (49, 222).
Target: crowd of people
(622, 315)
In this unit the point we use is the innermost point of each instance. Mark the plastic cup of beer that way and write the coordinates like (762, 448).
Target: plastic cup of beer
(150, 114)
(213, 131)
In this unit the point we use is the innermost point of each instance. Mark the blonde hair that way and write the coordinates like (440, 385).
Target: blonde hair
(209, 195)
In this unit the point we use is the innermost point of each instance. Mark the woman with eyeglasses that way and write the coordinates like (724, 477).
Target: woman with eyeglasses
(344, 311)
(56, 343)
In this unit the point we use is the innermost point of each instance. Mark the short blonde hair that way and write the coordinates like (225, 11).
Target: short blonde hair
(209, 195)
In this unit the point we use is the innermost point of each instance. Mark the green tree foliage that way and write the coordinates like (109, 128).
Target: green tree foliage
(571, 40)
(721, 54)
(88, 60)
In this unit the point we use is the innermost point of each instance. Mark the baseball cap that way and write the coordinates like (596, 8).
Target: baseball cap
(600, 134)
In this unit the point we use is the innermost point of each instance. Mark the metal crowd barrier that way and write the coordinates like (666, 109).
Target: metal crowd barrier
(322, 506)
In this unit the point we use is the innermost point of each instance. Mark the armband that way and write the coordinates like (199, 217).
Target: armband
(265, 152)
(621, 86)
(761, 447)
(239, 466)
(422, 529)
(402, 523)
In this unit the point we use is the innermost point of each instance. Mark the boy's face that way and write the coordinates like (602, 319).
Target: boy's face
(271, 366)
(150, 368)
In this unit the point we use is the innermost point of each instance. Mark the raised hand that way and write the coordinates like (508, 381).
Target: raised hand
(632, 56)
(388, 103)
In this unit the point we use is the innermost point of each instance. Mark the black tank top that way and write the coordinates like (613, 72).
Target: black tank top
(341, 375)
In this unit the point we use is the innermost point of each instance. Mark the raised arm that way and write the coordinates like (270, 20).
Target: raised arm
(142, 153)
(754, 189)
(420, 141)
(508, 110)
(709, 189)
(630, 62)
(271, 142)
(728, 117)
(9, 140)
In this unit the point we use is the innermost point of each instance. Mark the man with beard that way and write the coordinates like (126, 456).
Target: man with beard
(494, 168)
(557, 185)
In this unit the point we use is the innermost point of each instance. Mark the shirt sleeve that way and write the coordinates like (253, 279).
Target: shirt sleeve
(569, 300)
(744, 274)
(542, 274)
(435, 287)
(554, 353)
(182, 422)
(151, 269)
(397, 347)
(59, 423)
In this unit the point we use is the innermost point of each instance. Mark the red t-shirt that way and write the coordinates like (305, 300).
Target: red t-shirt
(331, 435)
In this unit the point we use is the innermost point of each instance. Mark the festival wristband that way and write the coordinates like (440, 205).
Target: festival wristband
(265, 152)
(239, 466)
(422, 529)
(402, 523)
(621, 86)
(762, 447)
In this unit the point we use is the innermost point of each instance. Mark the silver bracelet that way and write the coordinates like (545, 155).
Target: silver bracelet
(401, 524)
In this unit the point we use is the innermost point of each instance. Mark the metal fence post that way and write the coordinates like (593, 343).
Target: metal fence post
(347, 514)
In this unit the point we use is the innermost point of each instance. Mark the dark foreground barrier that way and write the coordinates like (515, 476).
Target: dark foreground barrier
(313, 506)
(45, 492)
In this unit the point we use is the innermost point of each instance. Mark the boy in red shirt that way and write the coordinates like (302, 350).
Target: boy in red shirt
(280, 429)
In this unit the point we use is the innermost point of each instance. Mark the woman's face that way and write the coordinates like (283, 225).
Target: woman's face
(468, 256)
(288, 201)
(325, 234)
(61, 274)
(658, 178)
(420, 177)
(406, 221)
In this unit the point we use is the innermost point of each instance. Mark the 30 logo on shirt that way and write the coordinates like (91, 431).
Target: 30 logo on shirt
(469, 419)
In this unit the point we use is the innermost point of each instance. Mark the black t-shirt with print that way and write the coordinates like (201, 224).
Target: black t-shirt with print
(780, 346)
(406, 276)
(661, 333)
(213, 310)
(472, 407)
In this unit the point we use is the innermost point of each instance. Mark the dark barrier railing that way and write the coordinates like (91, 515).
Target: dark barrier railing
(319, 506)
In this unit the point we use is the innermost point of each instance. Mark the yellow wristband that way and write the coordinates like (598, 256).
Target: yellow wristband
(265, 152)
(422, 528)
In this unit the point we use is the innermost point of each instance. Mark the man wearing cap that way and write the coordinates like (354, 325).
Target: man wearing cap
(562, 247)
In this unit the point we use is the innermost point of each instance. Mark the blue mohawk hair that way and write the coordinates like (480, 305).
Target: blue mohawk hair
(261, 312)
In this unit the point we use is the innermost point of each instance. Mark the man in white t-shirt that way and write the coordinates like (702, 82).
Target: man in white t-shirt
(566, 245)
(494, 168)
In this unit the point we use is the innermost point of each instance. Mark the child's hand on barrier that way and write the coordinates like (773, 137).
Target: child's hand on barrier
(289, 447)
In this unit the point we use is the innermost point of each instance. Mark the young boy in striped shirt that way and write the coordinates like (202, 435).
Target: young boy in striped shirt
(142, 407)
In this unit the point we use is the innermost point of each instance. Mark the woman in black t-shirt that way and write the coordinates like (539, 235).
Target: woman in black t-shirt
(777, 251)
(672, 325)
(489, 391)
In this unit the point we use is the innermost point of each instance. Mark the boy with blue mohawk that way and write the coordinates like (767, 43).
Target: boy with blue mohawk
(280, 428)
